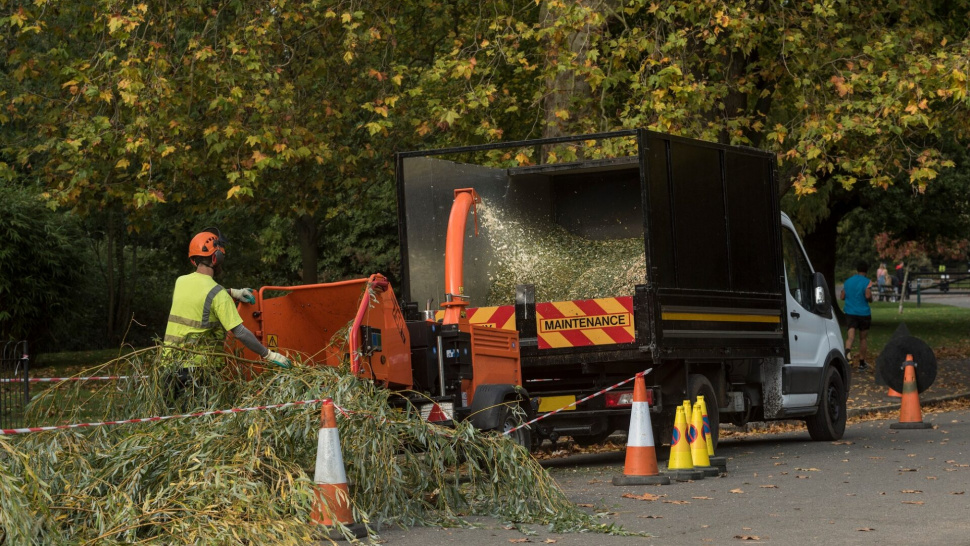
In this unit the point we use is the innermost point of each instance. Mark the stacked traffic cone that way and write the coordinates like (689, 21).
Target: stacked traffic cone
(688, 411)
(698, 444)
(641, 453)
(681, 466)
(332, 502)
(718, 462)
(910, 414)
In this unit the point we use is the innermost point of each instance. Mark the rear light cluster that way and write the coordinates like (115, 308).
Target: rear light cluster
(619, 399)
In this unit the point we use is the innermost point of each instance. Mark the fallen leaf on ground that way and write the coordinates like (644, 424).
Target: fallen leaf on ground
(866, 529)
(843, 443)
(769, 486)
(808, 469)
(519, 540)
(910, 491)
(907, 470)
(643, 497)
(747, 537)
(956, 492)
(676, 502)
(702, 498)
(651, 517)
(549, 541)
(912, 502)
(802, 477)
(585, 505)
(738, 491)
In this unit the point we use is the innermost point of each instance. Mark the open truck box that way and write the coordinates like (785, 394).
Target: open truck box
(710, 283)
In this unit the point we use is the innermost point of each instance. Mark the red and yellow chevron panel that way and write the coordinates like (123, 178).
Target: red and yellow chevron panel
(580, 323)
(494, 317)
(577, 323)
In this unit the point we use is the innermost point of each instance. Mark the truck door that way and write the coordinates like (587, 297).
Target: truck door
(806, 330)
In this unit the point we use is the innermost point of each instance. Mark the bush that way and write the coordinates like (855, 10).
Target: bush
(39, 257)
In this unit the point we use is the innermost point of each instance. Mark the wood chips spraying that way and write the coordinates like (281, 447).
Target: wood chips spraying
(561, 265)
(247, 478)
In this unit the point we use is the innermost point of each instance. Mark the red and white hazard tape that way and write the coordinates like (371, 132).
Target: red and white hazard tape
(590, 397)
(61, 379)
(9, 431)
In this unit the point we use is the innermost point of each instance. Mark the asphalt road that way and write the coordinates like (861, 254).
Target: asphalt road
(875, 486)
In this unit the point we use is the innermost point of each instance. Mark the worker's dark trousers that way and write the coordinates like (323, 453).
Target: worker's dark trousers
(186, 389)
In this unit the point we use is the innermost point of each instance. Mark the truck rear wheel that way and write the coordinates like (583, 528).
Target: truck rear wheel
(828, 423)
(697, 384)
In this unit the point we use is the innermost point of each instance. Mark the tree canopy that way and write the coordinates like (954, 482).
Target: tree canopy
(291, 110)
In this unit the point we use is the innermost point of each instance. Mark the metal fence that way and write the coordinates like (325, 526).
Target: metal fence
(14, 383)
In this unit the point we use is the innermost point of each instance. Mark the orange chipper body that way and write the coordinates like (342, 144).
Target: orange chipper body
(305, 320)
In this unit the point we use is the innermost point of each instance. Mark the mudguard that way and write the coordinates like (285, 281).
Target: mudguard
(837, 360)
(487, 409)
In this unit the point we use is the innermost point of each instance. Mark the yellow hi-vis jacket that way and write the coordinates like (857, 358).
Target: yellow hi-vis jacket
(202, 312)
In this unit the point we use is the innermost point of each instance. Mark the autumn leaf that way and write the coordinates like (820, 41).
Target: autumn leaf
(865, 529)
(769, 486)
(643, 497)
(737, 491)
(747, 537)
(676, 502)
(913, 502)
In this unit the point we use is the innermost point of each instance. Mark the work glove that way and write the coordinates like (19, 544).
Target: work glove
(243, 295)
(278, 359)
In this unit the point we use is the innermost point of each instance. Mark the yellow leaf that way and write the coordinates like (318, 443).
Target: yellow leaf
(232, 191)
(114, 23)
(122, 164)
(346, 17)
(348, 56)
(522, 159)
(167, 150)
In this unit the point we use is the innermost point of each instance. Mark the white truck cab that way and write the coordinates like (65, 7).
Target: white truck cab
(814, 381)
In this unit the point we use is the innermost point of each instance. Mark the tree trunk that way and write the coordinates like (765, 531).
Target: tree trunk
(110, 271)
(565, 90)
(306, 227)
(121, 313)
(820, 245)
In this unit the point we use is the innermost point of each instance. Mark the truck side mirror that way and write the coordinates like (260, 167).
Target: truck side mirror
(823, 302)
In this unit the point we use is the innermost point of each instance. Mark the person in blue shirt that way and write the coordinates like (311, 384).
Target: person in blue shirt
(857, 293)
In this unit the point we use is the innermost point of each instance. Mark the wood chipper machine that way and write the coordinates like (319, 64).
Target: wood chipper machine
(447, 369)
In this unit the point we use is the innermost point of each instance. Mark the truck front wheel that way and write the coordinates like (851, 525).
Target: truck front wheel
(697, 384)
(828, 423)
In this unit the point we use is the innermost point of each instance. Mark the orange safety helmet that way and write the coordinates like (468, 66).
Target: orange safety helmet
(208, 243)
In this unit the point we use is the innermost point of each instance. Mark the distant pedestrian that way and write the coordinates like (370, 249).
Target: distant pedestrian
(857, 293)
(900, 277)
(882, 279)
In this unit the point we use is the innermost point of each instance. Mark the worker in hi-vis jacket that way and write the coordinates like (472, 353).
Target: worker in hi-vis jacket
(203, 311)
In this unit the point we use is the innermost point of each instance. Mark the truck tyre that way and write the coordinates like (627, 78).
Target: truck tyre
(511, 419)
(697, 384)
(828, 423)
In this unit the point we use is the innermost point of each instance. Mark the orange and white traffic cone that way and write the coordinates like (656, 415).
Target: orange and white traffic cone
(698, 444)
(893, 393)
(910, 414)
(641, 453)
(681, 466)
(332, 503)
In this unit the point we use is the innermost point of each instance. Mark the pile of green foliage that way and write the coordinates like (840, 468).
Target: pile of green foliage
(247, 478)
